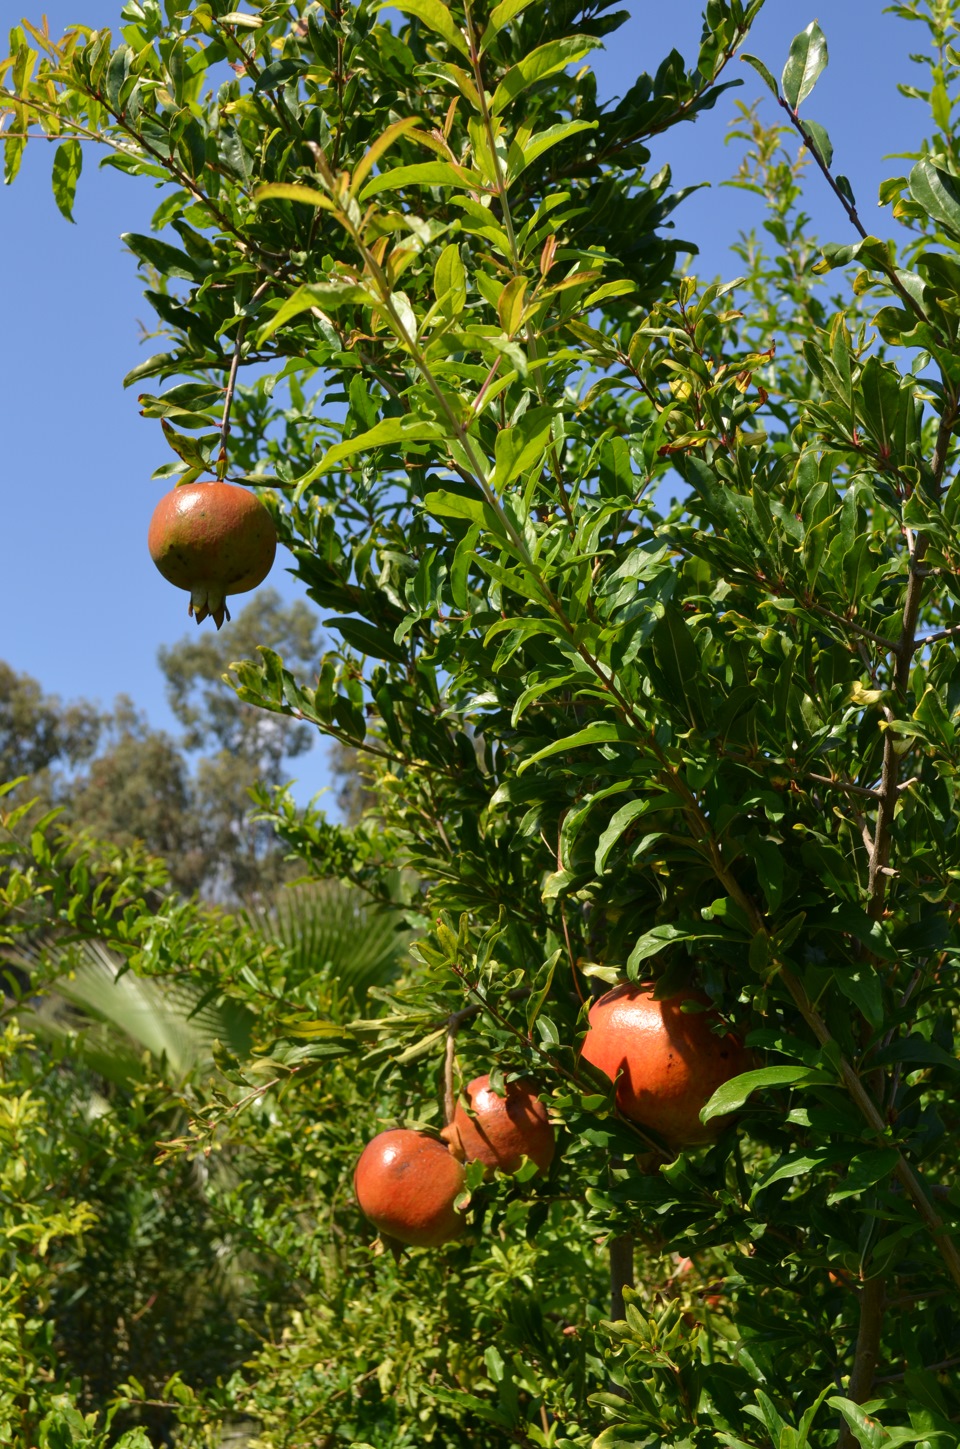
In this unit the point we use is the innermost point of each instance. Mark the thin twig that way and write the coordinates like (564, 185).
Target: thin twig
(904, 651)
(923, 639)
(845, 785)
(930, 1368)
(850, 208)
(232, 379)
(887, 645)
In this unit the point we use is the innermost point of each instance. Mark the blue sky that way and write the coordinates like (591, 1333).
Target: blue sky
(82, 607)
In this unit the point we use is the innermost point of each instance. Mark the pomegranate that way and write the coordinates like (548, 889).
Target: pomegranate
(501, 1131)
(406, 1184)
(213, 539)
(667, 1063)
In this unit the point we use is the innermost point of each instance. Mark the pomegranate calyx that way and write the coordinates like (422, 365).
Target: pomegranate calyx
(207, 601)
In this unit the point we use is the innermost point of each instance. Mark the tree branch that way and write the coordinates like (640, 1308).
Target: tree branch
(621, 1274)
(867, 1351)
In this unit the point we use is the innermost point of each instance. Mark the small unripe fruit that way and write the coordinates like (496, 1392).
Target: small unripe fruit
(212, 539)
(503, 1130)
(668, 1060)
(406, 1184)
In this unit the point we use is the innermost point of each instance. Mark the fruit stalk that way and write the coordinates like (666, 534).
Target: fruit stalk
(232, 377)
(449, 1059)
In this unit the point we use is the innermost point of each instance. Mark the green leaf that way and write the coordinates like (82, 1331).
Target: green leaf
(379, 147)
(622, 820)
(519, 449)
(437, 17)
(368, 640)
(500, 16)
(278, 74)
(325, 296)
(543, 140)
(450, 282)
(865, 1170)
(797, 1165)
(938, 194)
(869, 1434)
(312, 1028)
(424, 173)
(861, 985)
(818, 141)
(117, 72)
(805, 64)
(915, 1051)
(195, 452)
(598, 733)
(763, 73)
(510, 305)
(883, 400)
(391, 431)
(284, 191)
(460, 568)
(678, 657)
(733, 1094)
(545, 60)
(538, 997)
(657, 940)
(67, 165)
(14, 141)
(167, 260)
(443, 504)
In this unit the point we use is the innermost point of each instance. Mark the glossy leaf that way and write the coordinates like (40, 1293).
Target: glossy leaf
(436, 15)
(735, 1093)
(537, 66)
(806, 63)
(938, 194)
(763, 73)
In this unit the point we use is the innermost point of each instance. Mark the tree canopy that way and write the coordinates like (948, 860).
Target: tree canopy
(185, 799)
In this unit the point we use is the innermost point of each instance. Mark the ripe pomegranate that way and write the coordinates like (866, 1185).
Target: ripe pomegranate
(406, 1184)
(213, 539)
(670, 1062)
(502, 1130)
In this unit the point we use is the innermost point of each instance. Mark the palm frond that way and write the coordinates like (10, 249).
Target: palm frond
(113, 1018)
(331, 934)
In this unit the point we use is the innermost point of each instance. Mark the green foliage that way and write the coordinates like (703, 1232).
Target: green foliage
(709, 741)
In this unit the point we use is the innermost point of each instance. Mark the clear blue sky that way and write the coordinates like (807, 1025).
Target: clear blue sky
(81, 606)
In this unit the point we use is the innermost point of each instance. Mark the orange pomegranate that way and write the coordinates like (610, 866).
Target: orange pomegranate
(667, 1062)
(213, 539)
(406, 1184)
(501, 1131)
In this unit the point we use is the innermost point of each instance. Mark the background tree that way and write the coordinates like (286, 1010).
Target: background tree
(187, 800)
(238, 745)
(37, 730)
